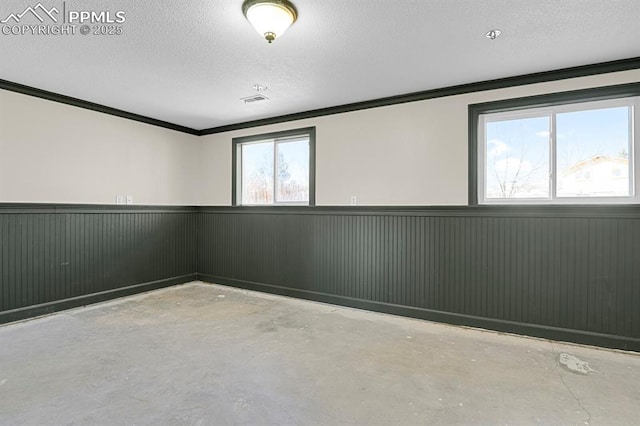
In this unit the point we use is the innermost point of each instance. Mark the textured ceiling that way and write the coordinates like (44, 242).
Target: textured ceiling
(189, 63)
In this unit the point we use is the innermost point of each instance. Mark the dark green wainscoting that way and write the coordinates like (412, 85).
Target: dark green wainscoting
(567, 273)
(55, 257)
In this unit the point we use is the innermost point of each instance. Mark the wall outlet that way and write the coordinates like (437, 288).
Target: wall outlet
(119, 199)
(129, 199)
(354, 200)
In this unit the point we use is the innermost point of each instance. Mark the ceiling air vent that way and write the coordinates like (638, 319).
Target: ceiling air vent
(254, 98)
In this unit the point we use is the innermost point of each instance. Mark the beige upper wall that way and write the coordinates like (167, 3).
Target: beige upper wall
(56, 153)
(407, 154)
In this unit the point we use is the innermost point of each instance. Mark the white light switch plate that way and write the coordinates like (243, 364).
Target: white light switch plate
(129, 199)
(119, 199)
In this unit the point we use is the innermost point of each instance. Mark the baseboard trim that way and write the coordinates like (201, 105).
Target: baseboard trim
(74, 302)
(546, 332)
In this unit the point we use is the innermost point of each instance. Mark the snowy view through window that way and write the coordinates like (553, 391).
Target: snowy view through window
(275, 172)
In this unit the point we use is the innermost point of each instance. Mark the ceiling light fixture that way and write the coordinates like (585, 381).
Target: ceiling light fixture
(493, 34)
(270, 18)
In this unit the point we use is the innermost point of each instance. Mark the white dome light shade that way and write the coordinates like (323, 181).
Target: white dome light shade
(270, 18)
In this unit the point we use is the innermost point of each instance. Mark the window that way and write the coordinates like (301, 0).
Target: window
(275, 168)
(553, 149)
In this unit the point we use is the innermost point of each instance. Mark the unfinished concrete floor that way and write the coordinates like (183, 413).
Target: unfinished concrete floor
(210, 355)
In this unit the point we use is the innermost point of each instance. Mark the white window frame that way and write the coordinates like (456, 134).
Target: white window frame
(275, 138)
(551, 111)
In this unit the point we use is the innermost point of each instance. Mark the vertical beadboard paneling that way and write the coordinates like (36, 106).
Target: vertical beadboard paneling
(574, 271)
(56, 253)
